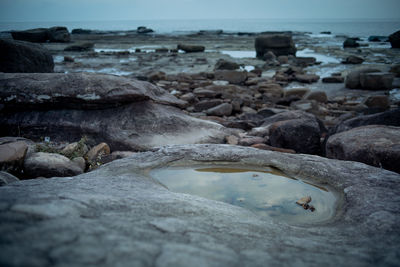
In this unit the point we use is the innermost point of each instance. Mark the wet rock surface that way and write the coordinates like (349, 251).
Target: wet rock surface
(138, 221)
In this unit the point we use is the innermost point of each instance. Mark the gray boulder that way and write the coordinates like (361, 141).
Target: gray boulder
(12, 153)
(353, 60)
(394, 39)
(135, 126)
(307, 78)
(279, 44)
(353, 78)
(376, 80)
(225, 109)
(76, 91)
(59, 35)
(232, 76)
(18, 56)
(389, 118)
(38, 35)
(376, 145)
(129, 219)
(80, 47)
(297, 130)
(351, 43)
(191, 48)
(223, 64)
(43, 164)
(42, 35)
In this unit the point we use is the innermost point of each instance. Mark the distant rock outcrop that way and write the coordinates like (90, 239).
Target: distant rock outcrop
(279, 44)
(42, 35)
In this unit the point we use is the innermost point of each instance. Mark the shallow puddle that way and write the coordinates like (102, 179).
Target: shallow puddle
(266, 192)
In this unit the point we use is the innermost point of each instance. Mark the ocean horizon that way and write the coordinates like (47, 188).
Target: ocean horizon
(351, 27)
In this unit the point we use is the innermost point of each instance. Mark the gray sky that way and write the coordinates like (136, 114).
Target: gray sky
(81, 10)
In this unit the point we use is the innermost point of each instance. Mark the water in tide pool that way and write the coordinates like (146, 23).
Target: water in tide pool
(265, 192)
(360, 28)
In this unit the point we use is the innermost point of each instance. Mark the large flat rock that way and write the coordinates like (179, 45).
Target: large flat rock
(136, 126)
(76, 90)
(118, 216)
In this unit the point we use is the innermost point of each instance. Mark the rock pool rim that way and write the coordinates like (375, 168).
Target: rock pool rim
(234, 167)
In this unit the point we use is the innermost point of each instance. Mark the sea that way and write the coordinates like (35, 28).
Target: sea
(348, 27)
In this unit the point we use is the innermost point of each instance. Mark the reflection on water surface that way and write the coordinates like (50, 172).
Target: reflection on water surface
(266, 192)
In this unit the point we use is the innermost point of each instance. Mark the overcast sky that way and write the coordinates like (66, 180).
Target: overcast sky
(82, 10)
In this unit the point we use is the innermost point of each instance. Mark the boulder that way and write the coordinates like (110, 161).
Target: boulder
(375, 145)
(279, 44)
(18, 56)
(81, 31)
(75, 149)
(7, 178)
(333, 79)
(80, 47)
(76, 91)
(389, 118)
(139, 222)
(43, 164)
(307, 78)
(394, 39)
(59, 35)
(300, 92)
(191, 48)
(97, 152)
(251, 140)
(305, 105)
(353, 60)
(223, 64)
(376, 80)
(395, 69)
(143, 29)
(42, 35)
(378, 38)
(39, 35)
(133, 126)
(224, 109)
(353, 78)
(296, 130)
(232, 76)
(12, 153)
(377, 101)
(318, 96)
(207, 104)
(350, 43)
(272, 91)
(305, 61)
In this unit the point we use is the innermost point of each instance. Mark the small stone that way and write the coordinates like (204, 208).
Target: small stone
(304, 200)
(224, 109)
(318, 96)
(68, 59)
(97, 152)
(333, 79)
(80, 161)
(377, 101)
(353, 60)
(300, 92)
(232, 140)
(307, 78)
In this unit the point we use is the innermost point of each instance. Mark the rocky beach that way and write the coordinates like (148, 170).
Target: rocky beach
(86, 115)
